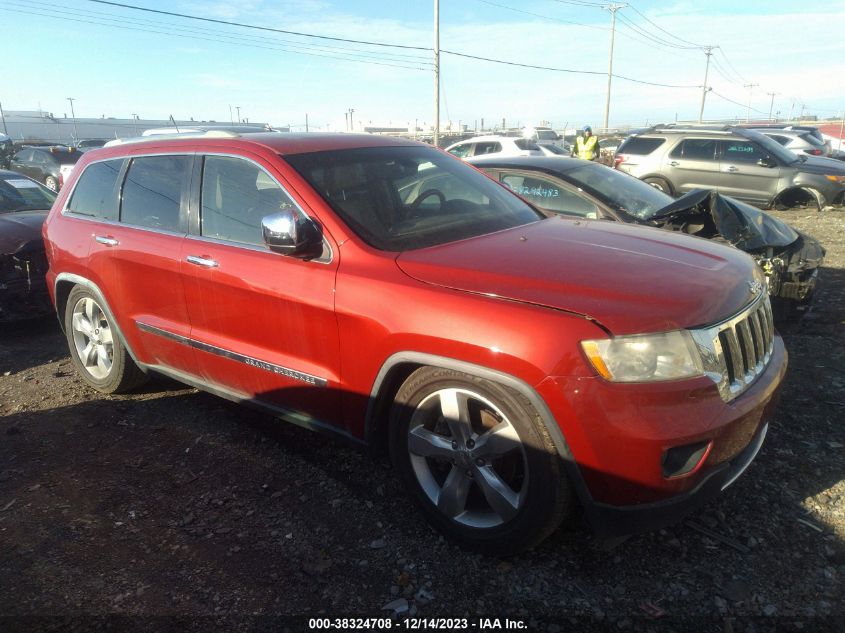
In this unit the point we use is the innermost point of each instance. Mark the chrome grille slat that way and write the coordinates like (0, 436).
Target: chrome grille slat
(736, 351)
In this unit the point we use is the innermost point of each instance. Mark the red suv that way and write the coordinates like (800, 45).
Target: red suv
(515, 365)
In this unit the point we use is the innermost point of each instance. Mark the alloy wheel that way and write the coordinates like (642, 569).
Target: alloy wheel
(92, 338)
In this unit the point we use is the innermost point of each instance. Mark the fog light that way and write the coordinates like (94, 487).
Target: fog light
(681, 461)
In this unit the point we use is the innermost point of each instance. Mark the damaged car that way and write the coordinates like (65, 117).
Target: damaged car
(24, 204)
(790, 259)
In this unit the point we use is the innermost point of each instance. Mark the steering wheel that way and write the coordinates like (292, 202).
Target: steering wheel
(427, 194)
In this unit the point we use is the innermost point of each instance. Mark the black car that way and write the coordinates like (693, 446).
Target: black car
(24, 204)
(790, 259)
(48, 165)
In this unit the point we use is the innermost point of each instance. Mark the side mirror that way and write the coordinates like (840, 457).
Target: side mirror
(767, 161)
(287, 234)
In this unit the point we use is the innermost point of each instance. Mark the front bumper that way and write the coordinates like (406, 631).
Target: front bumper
(618, 434)
(608, 521)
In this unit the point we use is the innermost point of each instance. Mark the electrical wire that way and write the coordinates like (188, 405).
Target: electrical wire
(680, 39)
(357, 52)
(208, 39)
(657, 39)
(742, 105)
(260, 28)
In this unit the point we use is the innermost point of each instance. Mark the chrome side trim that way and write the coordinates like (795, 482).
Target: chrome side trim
(288, 415)
(241, 358)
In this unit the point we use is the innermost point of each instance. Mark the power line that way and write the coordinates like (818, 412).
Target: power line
(563, 70)
(545, 17)
(643, 16)
(169, 33)
(731, 66)
(655, 38)
(742, 105)
(260, 28)
(390, 56)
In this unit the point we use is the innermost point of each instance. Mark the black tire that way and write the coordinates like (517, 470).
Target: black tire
(660, 184)
(539, 492)
(108, 367)
(51, 183)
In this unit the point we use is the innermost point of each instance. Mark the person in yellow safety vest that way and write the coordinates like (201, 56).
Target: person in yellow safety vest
(586, 145)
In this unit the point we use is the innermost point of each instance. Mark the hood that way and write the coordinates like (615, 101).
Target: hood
(746, 227)
(821, 165)
(19, 229)
(631, 279)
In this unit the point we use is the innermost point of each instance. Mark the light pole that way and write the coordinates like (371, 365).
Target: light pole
(613, 8)
(135, 123)
(351, 122)
(238, 108)
(73, 115)
(436, 135)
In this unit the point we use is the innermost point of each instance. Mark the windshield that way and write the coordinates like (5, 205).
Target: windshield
(547, 135)
(23, 194)
(554, 149)
(773, 147)
(622, 191)
(404, 198)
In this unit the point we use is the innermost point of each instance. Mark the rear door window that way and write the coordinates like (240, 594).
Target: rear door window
(236, 195)
(695, 149)
(487, 147)
(153, 192)
(741, 152)
(95, 194)
(640, 146)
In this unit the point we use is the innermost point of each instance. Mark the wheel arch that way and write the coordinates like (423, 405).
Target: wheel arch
(798, 194)
(64, 285)
(400, 365)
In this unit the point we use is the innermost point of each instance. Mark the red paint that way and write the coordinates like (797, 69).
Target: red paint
(518, 302)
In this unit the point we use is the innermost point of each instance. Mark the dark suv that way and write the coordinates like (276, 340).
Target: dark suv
(734, 161)
(384, 290)
(48, 165)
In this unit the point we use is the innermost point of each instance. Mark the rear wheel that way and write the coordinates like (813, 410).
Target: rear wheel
(96, 350)
(478, 461)
(659, 184)
(51, 183)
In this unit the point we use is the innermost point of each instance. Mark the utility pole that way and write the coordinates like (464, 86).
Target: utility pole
(75, 134)
(613, 8)
(238, 108)
(772, 103)
(750, 90)
(436, 73)
(708, 51)
(3, 118)
(231, 116)
(306, 123)
(351, 122)
(135, 123)
(801, 118)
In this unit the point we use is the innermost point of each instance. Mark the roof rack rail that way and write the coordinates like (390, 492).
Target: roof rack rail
(176, 135)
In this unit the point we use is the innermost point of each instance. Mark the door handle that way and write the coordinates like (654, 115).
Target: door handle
(205, 262)
(106, 240)
(674, 163)
(731, 168)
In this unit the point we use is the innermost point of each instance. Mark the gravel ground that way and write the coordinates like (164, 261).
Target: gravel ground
(173, 502)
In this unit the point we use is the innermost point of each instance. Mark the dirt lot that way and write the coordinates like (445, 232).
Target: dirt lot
(174, 502)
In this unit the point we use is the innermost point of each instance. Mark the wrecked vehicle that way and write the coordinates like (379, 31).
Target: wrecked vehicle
(790, 259)
(24, 204)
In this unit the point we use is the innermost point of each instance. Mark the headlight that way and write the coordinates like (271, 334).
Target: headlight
(839, 179)
(645, 357)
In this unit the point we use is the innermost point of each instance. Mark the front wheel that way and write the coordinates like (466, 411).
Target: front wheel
(478, 460)
(51, 183)
(660, 184)
(96, 350)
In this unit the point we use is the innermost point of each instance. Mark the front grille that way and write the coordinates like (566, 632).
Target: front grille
(735, 352)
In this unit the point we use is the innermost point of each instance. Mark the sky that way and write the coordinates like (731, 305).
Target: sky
(116, 61)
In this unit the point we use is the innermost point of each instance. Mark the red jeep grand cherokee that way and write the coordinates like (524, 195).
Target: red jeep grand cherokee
(514, 364)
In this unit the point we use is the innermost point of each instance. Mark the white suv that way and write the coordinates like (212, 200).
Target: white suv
(496, 145)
